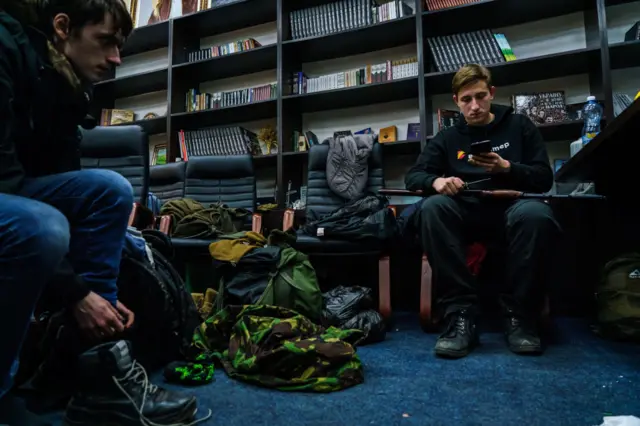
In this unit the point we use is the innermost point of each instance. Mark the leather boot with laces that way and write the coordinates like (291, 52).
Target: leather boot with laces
(522, 336)
(115, 390)
(460, 336)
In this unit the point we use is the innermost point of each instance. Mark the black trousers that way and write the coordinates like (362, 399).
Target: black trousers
(527, 228)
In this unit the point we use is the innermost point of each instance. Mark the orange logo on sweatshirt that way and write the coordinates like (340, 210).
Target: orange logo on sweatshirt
(461, 155)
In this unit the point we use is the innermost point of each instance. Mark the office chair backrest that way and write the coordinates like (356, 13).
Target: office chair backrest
(320, 198)
(229, 179)
(123, 149)
(166, 181)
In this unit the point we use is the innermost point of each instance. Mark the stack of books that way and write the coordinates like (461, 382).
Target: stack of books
(232, 140)
(377, 73)
(483, 47)
(224, 49)
(197, 101)
(446, 4)
(343, 15)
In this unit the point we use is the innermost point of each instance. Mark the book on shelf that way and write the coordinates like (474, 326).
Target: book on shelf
(301, 142)
(197, 101)
(432, 5)
(633, 33)
(447, 118)
(451, 52)
(159, 155)
(214, 141)
(621, 102)
(377, 73)
(413, 131)
(113, 117)
(343, 15)
(223, 49)
(542, 107)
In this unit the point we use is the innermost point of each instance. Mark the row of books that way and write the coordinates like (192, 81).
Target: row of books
(196, 101)
(213, 141)
(484, 47)
(223, 49)
(343, 15)
(389, 70)
(432, 5)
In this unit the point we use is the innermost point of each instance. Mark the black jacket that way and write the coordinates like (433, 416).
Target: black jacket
(39, 117)
(513, 136)
(41, 112)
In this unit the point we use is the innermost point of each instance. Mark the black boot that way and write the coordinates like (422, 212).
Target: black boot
(13, 412)
(115, 390)
(521, 335)
(460, 336)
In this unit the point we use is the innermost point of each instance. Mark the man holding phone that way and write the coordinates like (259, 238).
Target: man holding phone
(489, 148)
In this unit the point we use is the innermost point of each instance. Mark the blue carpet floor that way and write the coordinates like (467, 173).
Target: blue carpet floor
(580, 379)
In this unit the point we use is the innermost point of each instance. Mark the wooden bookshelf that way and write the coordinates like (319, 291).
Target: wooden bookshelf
(183, 34)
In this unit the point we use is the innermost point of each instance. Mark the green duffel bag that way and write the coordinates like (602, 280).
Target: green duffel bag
(618, 299)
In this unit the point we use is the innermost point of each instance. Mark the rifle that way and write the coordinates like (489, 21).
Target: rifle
(500, 194)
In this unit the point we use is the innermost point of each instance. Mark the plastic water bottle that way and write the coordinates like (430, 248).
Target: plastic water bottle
(592, 115)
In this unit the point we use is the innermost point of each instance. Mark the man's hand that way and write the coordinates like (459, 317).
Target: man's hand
(491, 162)
(448, 186)
(126, 313)
(99, 318)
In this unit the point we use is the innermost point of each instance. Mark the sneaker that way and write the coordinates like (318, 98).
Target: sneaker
(522, 336)
(115, 390)
(13, 412)
(460, 336)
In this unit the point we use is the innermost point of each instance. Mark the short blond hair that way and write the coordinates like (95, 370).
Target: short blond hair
(470, 74)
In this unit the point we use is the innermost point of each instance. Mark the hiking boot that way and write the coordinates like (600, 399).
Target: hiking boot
(460, 336)
(13, 412)
(115, 390)
(521, 335)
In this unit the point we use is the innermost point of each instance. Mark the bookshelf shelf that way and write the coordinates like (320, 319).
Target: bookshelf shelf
(147, 38)
(625, 54)
(523, 70)
(379, 36)
(247, 62)
(136, 84)
(286, 56)
(366, 94)
(226, 18)
(495, 14)
(228, 115)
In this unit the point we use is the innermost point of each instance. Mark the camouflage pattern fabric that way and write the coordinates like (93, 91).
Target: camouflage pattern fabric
(190, 219)
(278, 348)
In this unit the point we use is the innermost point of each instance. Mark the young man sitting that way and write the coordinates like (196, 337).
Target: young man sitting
(58, 219)
(448, 220)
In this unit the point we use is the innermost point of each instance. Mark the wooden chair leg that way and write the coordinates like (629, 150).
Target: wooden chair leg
(384, 287)
(427, 320)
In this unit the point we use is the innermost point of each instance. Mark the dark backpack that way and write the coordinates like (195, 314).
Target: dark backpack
(166, 315)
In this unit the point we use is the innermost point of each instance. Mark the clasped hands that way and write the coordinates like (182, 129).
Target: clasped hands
(491, 162)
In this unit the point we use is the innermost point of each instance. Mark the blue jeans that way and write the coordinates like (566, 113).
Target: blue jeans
(80, 214)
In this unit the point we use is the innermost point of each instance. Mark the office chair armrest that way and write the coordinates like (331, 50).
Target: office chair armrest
(141, 217)
(256, 223)
(163, 223)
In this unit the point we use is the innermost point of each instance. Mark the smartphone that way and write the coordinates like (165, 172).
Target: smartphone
(481, 147)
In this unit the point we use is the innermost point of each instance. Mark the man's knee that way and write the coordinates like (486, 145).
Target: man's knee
(437, 206)
(35, 230)
(531, 213)
(111, 185)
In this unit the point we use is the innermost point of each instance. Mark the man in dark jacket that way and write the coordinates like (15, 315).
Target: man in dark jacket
(56, 217)
(448, 220)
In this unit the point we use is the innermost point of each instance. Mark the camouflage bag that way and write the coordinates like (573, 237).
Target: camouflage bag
(618, 299)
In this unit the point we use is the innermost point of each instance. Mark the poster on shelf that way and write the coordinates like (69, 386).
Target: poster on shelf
(184, 7)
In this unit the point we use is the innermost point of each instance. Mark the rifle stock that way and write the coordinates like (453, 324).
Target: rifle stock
(498, 193)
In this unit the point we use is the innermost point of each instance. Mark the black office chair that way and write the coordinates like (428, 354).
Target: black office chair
(322, 200)
(166, 181)
(229, 180)
(125, 150)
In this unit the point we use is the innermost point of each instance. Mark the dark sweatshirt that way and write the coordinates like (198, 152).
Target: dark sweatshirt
(513, 136)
